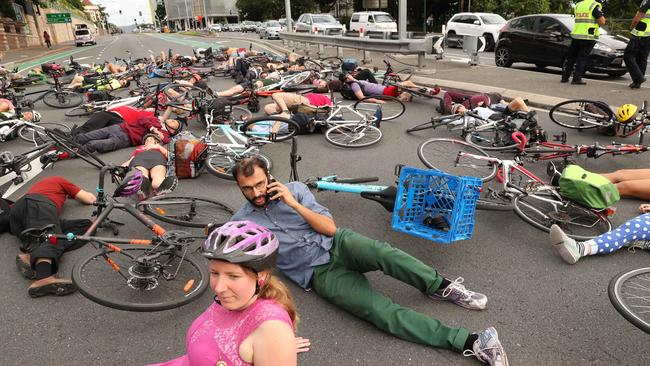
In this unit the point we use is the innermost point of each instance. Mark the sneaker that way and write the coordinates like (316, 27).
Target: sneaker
(578, 82)
(488, 348)
(459, 295)
(167, 185)
(566, 246)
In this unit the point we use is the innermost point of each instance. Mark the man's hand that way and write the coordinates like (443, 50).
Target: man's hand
(277, 190)
(158, 133)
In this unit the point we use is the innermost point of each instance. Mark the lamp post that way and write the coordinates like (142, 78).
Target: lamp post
(187, 15)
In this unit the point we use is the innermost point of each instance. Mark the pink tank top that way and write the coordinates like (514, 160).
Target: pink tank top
(217, 334)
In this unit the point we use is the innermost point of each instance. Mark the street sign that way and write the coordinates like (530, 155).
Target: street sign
(58, 18)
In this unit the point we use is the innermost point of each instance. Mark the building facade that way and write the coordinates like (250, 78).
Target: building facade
(184, 14)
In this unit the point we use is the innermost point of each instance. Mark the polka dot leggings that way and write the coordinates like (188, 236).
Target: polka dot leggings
(632, 232)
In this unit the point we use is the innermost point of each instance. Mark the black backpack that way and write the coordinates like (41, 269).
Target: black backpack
(5, 210)
(347, 92)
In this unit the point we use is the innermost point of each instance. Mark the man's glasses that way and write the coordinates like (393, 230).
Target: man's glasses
(258, 187)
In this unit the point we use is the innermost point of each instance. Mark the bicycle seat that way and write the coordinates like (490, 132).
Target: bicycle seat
(385, 197)
(33, 237)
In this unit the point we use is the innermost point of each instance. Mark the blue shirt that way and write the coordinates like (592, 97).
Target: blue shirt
(301, 247)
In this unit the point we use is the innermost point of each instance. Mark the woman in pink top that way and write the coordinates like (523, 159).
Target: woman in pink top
(252, 319)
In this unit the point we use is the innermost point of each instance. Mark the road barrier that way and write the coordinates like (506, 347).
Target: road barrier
(408, 46)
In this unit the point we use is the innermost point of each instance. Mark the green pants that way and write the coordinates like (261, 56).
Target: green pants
(341, 282)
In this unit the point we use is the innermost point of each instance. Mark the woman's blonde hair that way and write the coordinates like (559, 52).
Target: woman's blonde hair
(274, 289)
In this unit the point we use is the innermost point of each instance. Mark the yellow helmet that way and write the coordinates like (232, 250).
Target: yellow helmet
(626, 113)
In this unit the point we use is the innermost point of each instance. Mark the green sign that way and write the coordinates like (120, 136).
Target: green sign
(59, 18)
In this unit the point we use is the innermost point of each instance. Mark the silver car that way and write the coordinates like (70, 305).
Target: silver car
(271, 30)
(319, 23)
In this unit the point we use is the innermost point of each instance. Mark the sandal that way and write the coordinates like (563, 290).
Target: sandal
(644, 208)
(56, 288)
(25, 269)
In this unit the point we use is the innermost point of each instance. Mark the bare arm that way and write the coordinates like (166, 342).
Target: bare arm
(126, 163)
(86, 198)
(601, 21)
(165, 116)
(636, 19)
(322, 224)
(274, 345)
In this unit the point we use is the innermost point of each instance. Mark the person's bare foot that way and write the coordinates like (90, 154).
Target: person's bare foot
(644, 208)
(51, 286)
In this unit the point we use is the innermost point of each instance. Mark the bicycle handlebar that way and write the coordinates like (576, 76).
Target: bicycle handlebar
(520, 139)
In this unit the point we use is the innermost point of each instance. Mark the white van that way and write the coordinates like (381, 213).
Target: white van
(83, 36)
(376, 21)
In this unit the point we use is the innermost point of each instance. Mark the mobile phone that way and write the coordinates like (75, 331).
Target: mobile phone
(268, 193)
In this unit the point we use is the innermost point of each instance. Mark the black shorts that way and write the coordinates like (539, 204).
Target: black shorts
(148, 159)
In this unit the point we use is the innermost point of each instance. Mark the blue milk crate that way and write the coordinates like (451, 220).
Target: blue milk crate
(424, 193)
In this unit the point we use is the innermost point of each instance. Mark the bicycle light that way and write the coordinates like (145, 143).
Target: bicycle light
(52, 239)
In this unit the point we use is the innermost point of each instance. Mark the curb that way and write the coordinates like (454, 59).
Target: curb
(534, 100)
(32, 58)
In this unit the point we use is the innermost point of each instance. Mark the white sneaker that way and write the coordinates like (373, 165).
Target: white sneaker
(566, 246)
(488, 348)
(459, 295)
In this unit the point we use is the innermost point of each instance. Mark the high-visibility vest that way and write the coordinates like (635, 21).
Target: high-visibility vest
(585, 22)
(646, 32)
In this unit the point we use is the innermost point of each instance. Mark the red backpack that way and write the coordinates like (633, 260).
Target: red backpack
(189, 155)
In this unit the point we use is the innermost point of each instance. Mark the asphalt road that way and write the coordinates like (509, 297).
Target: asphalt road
(546, 312)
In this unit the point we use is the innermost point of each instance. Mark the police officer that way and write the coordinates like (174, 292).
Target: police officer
(588, 19)
(637, 50)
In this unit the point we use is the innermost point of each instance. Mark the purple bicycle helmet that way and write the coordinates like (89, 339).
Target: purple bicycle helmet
(243, 242)
(130, 185)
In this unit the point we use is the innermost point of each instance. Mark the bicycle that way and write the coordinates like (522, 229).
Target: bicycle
(27, 130)
(149, 274)
(55, 96)
(583, 114)
(537, 203)
(628, 293)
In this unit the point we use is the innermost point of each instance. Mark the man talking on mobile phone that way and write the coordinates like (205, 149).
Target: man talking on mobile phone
(317, 255)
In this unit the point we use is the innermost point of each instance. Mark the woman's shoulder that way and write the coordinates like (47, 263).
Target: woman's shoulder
(266, 309)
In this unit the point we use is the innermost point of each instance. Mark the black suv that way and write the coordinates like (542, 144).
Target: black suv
(544, 39)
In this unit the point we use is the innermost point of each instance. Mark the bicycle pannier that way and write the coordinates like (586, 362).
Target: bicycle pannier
(189, 155)
(589, 189)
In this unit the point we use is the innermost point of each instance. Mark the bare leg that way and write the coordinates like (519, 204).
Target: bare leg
(230, 92)
(518, 105)
(158, 174)
(77, 81)
(627, 174)
(279, 106)
(144, 171)
(635, 188)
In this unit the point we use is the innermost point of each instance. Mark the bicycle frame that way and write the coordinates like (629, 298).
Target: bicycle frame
(18, 175)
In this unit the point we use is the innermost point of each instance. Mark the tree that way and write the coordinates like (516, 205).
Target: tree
(160, 11)
(273, 9)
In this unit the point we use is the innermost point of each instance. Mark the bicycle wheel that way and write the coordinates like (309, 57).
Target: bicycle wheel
(628, 292)
(437, 122)
(66, 143)
(263, 127)
(543, 209)
(332, 63)
(170, 281)
(581, 114)
(491, 140)
(353, 135)
(441, 154)
(493, 201)
(296, 79)
(187, 211)
(62, 99)
(80, 111)
(404, 74)
(390, 109)
(312, 65)
(220, 163)
(27, 80)
(27, 132)
(240, 114)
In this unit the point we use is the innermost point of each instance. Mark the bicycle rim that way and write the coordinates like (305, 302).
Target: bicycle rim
(494, 140)
(441, 154)
(628, 292)
(581, 114)
(544, 209)
(240, 114)
(80, 111)
(220, 164)
(64, 99)
(187, 211)
(404, 74)
(26, 133)
(353, 135)
(143, 289)
(262, 127)
(390, 109)
(332, 63)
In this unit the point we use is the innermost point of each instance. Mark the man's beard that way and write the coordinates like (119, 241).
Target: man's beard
(258, 205)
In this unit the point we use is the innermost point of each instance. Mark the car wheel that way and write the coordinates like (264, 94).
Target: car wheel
(489, 42)
(78, 45)
(617, 74)
(502, 57)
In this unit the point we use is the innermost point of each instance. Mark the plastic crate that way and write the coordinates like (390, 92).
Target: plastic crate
(423, 193)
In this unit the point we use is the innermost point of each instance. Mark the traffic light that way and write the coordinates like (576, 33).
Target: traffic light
(140, 13)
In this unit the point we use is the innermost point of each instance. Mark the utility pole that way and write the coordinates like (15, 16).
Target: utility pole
(287, 14)
(205, 14)
(187, 15)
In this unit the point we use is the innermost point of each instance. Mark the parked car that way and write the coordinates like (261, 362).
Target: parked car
(474, 24)
(83, 36)
(248, 26)
(375, 21)
(216, 28)
(544, 39)
(271, 29)
(283, 22)
(320, 23)
(235, 27)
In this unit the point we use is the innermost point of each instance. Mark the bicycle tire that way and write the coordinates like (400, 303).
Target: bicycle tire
(332, 62)
(99, 282)
(187, 211)
(220, 164)
(435, 122)
(444, 153)
(27, 80)
(578, 222)
(617, 290)
(66, 143)
(80, 111)
(353, 135)
(262, 124)
(491, 140)
(570, 111)
(296, 79)
(404, 74)
(391, 109)
(62, 99)
(26, 133)
(312, 65)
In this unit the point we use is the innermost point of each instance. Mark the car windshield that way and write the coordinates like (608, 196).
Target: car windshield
(82, 32)
(570, 21)
(383, 18)
(273, 24)
(324, 19)
(492, 19)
